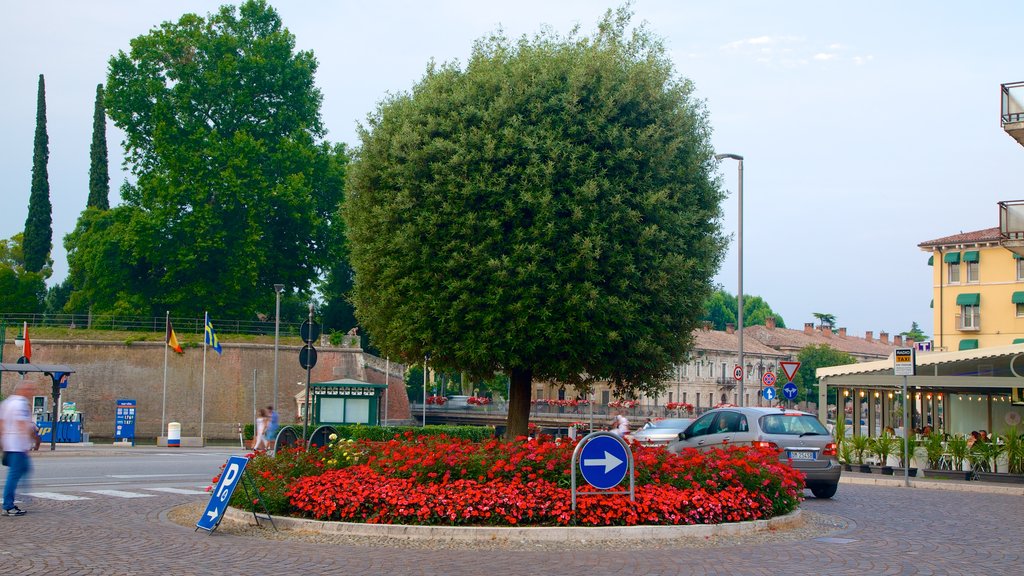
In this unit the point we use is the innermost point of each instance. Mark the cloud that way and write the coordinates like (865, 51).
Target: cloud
(792, 51)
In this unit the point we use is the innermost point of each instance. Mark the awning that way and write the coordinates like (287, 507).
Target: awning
(1018, 340)
(973, 299)
(1018, 298)
(969, 344)
(971, 256)
(951, 258)
(931, 260)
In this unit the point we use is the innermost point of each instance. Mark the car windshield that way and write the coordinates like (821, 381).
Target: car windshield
(792, 424)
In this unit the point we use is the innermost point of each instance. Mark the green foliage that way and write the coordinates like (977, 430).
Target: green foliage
(915, 333)
(1013, 447)
(861, 444)
(839, 431)
(234, 189)
(549, 211)
(958, 451)
(20, 291)
(883, 446)
(813, 357)
(39, 224)
(248, 431)
(933, 445)
(983, 456)
(723, 308)
(825, 319)
(99, 177)
(385, 433)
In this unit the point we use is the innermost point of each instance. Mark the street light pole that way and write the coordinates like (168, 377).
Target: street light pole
(739, 239)
(277, 334)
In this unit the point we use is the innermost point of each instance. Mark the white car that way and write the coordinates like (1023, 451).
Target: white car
(660, 432)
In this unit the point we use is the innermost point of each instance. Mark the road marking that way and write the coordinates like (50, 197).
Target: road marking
(119, 493)
(130, 476)
(177, 490)
(55, 496)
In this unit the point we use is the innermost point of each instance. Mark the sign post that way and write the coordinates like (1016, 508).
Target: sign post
(905, 364)
(309, 331)
(234, 474)
(767, 383)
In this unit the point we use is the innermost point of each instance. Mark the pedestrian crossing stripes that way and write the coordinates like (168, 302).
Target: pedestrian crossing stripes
(54, 496)
(119, 493)
(64, 497)
(178, 490)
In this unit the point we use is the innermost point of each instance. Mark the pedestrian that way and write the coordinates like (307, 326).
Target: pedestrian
(18, 436)
(620, 426)
(272, 426)
(262, 420)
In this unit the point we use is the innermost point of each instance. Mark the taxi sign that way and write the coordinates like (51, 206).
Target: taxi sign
(904, 362)
(768, 380)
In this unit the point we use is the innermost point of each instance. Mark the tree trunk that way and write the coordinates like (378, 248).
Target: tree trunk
(518, 421)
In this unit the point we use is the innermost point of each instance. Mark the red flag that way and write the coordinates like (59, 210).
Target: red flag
(28, 345)
(172, 339)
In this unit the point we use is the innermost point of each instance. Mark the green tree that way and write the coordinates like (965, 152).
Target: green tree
(825, 319)
(21, 291)
(914, 333)
(722, 308)
(38, 238)
(99, 177)
(813, 357)
(550, 211)
(234, 190)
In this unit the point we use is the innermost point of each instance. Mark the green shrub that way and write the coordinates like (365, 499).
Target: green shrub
(385, 433)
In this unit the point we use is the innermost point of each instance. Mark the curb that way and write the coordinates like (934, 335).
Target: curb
(522, 534)
(936, 485)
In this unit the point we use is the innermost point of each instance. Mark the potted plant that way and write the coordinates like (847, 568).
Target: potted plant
(902, 454)
(958, 450)
(846, 456)
(839, 433)
(1013, 447)
(883, 446)
(933, 445)
(860, 443)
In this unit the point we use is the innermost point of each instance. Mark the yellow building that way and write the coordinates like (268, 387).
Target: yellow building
(978, 291)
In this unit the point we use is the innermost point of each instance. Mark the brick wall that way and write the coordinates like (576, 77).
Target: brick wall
(107, 371)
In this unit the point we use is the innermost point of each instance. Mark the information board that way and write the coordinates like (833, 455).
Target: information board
(124, 421)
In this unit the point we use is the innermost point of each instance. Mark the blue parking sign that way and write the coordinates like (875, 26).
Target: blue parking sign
(230, 478)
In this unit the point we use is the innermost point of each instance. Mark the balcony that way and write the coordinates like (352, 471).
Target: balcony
(1013, 110)
(968, 322)
(1011, 225)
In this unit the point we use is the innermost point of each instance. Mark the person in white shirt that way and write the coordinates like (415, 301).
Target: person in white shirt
(620, 426)
(18, 435)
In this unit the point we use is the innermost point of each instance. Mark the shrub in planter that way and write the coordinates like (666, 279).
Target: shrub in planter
(1013, 447)
(958, 451)
(934, 448)
(861, 444)
(883, 446)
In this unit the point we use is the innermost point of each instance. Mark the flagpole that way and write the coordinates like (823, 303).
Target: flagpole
(202, 401)
(163, 407)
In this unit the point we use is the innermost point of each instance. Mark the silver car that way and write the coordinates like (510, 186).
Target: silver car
(660, 432)
(803, 442)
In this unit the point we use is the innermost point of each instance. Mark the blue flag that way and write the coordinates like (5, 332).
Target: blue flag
(211, 336)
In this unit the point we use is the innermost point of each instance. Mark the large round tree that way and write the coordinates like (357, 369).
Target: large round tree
(550, 211)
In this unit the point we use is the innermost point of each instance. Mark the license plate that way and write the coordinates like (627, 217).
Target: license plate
(802, 455)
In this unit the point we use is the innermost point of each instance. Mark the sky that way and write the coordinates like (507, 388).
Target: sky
(866, 127)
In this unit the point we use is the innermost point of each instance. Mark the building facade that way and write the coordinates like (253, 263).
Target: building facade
(978, 291)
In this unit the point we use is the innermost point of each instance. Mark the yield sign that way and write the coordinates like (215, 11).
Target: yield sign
(790, 369)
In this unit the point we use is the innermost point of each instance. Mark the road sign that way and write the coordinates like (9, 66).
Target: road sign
(790, 391)
(309, 331)
(604, 461)
(790, 369)
(307, 357)
(737, 373)
(768, 379)
(124, 421)
(903, 362)
(230, 478)
(769, 393)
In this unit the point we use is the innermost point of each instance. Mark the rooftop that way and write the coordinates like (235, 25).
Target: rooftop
(985, 236)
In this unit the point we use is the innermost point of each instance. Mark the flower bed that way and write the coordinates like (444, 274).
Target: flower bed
(458, 482)
(623, 404)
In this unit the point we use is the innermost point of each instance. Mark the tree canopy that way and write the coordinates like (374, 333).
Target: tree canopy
(915, 333)
(550, 211)
(722, 308)
(813, 357)
(38, 239)
(20, 290)
(234, 188)
(99, 176)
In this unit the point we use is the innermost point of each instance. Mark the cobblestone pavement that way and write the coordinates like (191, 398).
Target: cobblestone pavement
(889, 530)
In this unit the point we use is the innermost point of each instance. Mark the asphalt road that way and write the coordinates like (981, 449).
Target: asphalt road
(891, 530)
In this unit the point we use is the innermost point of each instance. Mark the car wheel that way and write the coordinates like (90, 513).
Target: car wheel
(824, 490)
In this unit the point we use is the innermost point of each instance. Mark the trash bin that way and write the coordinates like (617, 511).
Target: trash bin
(173, 434)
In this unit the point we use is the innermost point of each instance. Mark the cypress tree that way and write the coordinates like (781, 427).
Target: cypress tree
(39, 224)
(99, 178)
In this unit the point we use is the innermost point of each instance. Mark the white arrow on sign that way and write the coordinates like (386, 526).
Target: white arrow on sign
(610, 462)
(213, 514)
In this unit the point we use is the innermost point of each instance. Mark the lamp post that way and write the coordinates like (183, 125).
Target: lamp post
(278, 288)
(739, 243)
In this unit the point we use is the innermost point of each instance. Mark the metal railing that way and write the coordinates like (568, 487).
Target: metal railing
(1012, 96)
(147, 324)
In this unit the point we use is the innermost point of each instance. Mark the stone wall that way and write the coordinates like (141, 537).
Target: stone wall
(108, 371)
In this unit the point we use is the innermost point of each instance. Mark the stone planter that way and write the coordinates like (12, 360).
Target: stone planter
(864, 468)
(947, 474)
(887, 470)
(1000, 477)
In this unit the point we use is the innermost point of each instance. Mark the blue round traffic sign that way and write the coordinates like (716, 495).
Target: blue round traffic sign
(769, 393)
(604, 461)
(790, 391)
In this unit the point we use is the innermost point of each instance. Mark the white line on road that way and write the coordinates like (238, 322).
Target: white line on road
(127, 476)
(119, 493)
(55, 496)
(177, 490)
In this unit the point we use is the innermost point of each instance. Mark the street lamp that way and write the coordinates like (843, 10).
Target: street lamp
(739, 243)
(278, 288)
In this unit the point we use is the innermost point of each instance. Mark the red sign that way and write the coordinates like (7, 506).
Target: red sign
(737, 373)
(768, 379)
(790, 369)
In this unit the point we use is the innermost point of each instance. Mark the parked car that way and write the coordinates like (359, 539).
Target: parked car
(660, 432)
(803, 442)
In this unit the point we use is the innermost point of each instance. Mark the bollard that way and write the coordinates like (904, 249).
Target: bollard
(241, 441)
(174, 434)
